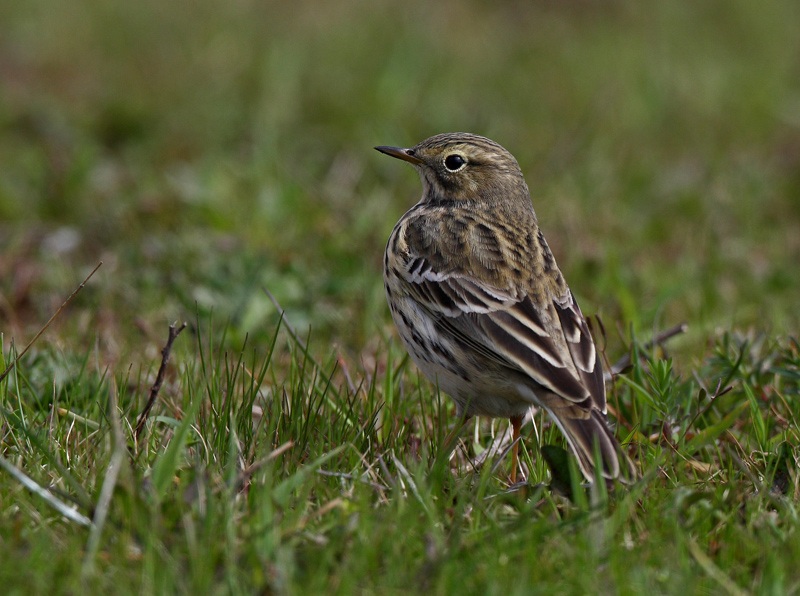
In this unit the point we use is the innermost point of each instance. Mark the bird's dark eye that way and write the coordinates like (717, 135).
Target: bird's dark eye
(454, 162)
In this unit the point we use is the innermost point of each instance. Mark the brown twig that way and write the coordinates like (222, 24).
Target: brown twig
(659, 339)
(174, 331)
(11, 366)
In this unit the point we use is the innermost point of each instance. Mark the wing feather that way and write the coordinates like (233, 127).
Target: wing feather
(512, 333)
(550, 342)
(582, 349)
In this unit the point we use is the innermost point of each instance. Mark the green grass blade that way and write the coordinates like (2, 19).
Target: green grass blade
(167, 464)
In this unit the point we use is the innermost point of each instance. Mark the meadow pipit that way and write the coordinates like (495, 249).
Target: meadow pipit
(481, 305)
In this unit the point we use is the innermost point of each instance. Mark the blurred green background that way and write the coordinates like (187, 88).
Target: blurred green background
(205, 150)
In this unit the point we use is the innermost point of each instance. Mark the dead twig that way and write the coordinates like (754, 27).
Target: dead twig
(174, 331)
(13, 363)
(658, 340)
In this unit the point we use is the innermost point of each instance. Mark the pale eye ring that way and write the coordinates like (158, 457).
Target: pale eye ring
(454, 162)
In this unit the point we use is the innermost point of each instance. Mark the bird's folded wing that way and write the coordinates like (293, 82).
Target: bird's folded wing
(550, 343)
(582, 349)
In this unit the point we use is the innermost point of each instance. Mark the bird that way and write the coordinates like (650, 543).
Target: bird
(482, 307)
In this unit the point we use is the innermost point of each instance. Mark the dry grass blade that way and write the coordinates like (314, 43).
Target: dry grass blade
(713, 571)
(109, 482)
(245, 475)
(45, 494)
(292, 333)
(409, 481)
(13, 363)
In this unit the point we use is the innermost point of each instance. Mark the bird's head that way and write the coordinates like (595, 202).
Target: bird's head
(463, 167)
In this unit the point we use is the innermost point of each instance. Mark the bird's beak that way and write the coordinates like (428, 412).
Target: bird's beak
(399, 153)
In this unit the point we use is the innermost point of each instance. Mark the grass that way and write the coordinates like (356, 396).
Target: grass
(205, 153)
(262, 474)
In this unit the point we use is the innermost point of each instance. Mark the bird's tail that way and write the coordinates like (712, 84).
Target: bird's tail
(587, 436)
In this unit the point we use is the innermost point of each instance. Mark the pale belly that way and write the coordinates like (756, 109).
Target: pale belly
(479, 386)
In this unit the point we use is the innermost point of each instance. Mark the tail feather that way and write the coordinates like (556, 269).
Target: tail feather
(587, 435)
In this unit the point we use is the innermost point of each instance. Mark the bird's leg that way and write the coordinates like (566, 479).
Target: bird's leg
(516, 424)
